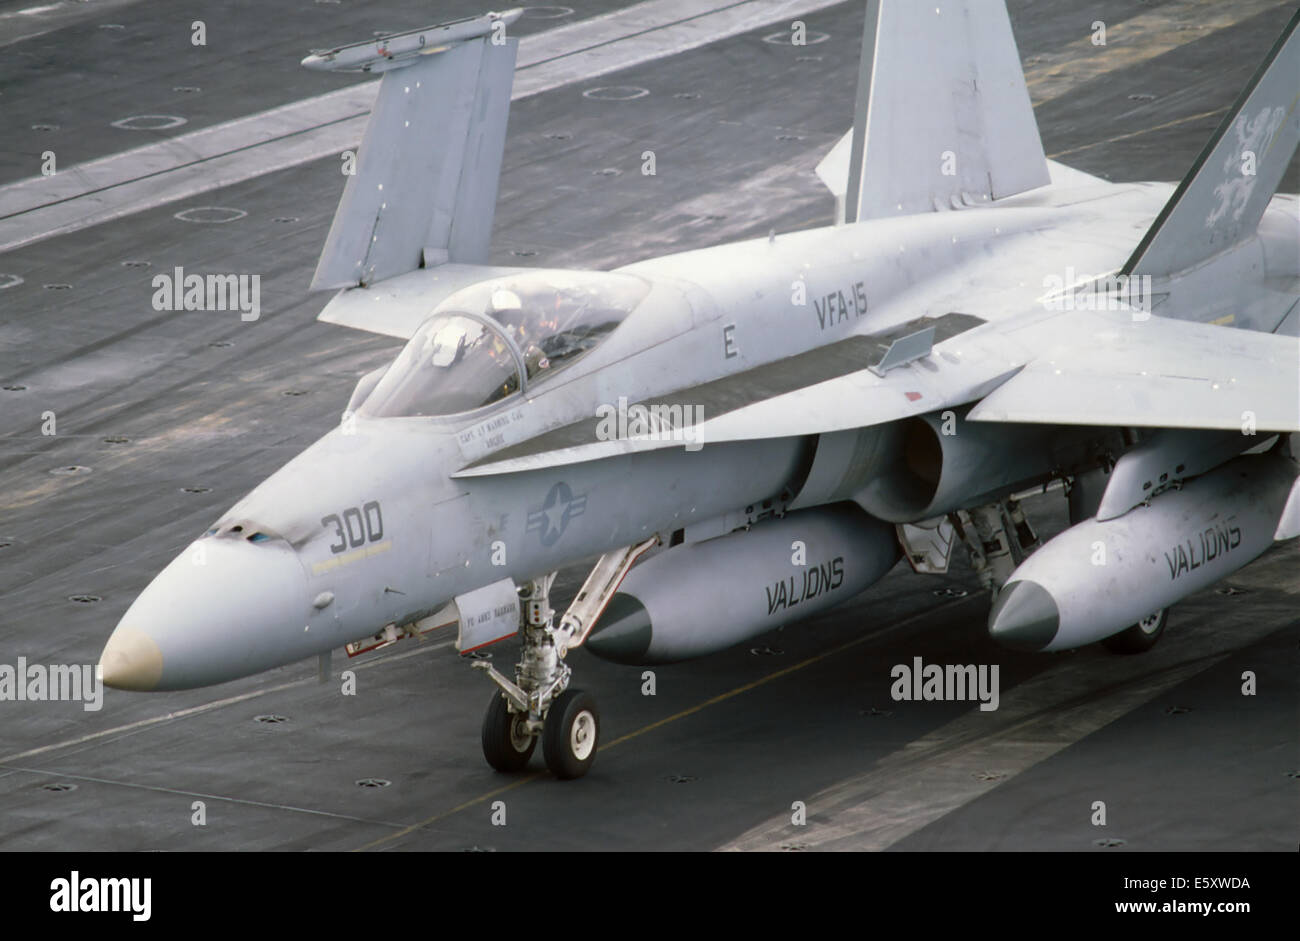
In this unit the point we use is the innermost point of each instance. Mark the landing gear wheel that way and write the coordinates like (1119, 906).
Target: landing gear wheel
(507, 743)
(1141, 637)
(570, 734)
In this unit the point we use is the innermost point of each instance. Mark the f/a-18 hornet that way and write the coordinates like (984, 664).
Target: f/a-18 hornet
(747, 434)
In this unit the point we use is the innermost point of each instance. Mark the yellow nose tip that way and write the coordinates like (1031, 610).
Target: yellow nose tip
(131, 660)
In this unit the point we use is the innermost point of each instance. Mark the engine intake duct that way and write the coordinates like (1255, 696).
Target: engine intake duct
(946, 463)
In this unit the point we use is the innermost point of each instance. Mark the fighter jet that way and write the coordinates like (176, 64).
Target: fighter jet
(744, 435)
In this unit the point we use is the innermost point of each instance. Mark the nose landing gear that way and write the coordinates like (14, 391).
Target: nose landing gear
(539, 703)
(508, 743)
(572, 730)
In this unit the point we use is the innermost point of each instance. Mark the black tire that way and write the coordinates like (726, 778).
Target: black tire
(503, 734)
(1141, 637)
(570, 751)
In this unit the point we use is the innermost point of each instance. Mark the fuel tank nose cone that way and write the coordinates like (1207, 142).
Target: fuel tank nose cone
(623, 633)
(1024, 617)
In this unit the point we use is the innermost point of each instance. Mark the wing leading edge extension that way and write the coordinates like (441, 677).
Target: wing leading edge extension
(1110, 370)
(852, 383)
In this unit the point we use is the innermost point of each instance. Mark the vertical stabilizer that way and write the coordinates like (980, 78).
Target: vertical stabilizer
(1220, 202)
(943, 117)
(425, 187)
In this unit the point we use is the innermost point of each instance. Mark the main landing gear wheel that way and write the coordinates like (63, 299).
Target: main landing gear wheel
(1141, 637)
(570, 735)
(507, 742)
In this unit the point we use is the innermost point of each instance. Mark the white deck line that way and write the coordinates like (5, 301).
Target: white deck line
(189, 164)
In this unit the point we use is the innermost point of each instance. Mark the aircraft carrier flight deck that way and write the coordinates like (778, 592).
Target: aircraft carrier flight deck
(165, 418)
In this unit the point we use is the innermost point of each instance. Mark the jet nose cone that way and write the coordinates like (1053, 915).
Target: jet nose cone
(224, 608)
(1025, 616)
(131, 660)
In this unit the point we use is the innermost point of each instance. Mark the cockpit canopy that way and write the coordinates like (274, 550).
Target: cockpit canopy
(478, 342)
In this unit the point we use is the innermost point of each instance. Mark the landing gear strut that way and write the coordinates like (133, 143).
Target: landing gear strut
(538, 702)
(998, 538)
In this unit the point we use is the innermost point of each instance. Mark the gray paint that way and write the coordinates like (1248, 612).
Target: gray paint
(703, 597)
(442, 530)
(1103, 576)
(425, 187)
(1222, 199)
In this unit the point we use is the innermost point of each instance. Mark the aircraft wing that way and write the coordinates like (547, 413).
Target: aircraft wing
(1107, 369)
(865, 397)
